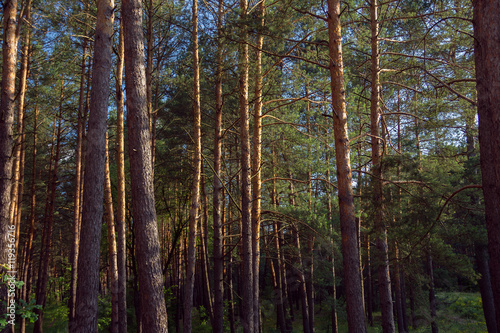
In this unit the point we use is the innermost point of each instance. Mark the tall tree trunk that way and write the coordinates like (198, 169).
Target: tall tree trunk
(9, 57)
(45, 220)
(310, 281)
(43, 268)
(20, 192)
(481, 250)
(25, 59)
(384, 280)
(28, 252)
(154, 314)
(94, 177)
(309, 261)
(121, 203)
(350, 250)
(487, 56)
(332, 243)
(230, 298)
(113, 265)
(369, 282)
(218, 242)
(399, 284)
(149, 73)
(276, 276)
(194, 214)
(18, 170)
(78, 183)
(281, 268)
(248, 319)
(256, 165)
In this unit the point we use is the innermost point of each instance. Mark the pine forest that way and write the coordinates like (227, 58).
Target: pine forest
(250, 166)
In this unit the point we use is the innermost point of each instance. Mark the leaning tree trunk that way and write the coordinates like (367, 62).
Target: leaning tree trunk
(350, 250)
(87, 289)
(153, 309)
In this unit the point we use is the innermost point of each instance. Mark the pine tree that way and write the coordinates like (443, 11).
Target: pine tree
(153, 311)
(94, 177)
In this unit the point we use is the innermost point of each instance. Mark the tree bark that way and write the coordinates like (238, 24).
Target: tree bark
(45, 219)
(112, 253)
(247, 318)
(230, 295)
(9, 56)
(204, 237)
(218, 242)
(281, 267)
(153, 310)
(354, 293)
(384, 280)
(369, 283)
(481, 253)
(333, 292)
(276, 277)
(149, 74)
(309, 261)
(78, 185)
(18, 172)
(256, 167)
(194, 214)
(93, 186)
(121, 203)
(487, 58)
(28, 252)
(309, 281)
(23, 76)
(43, 268)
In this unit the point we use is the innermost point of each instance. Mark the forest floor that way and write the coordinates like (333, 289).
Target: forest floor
(457, 312)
